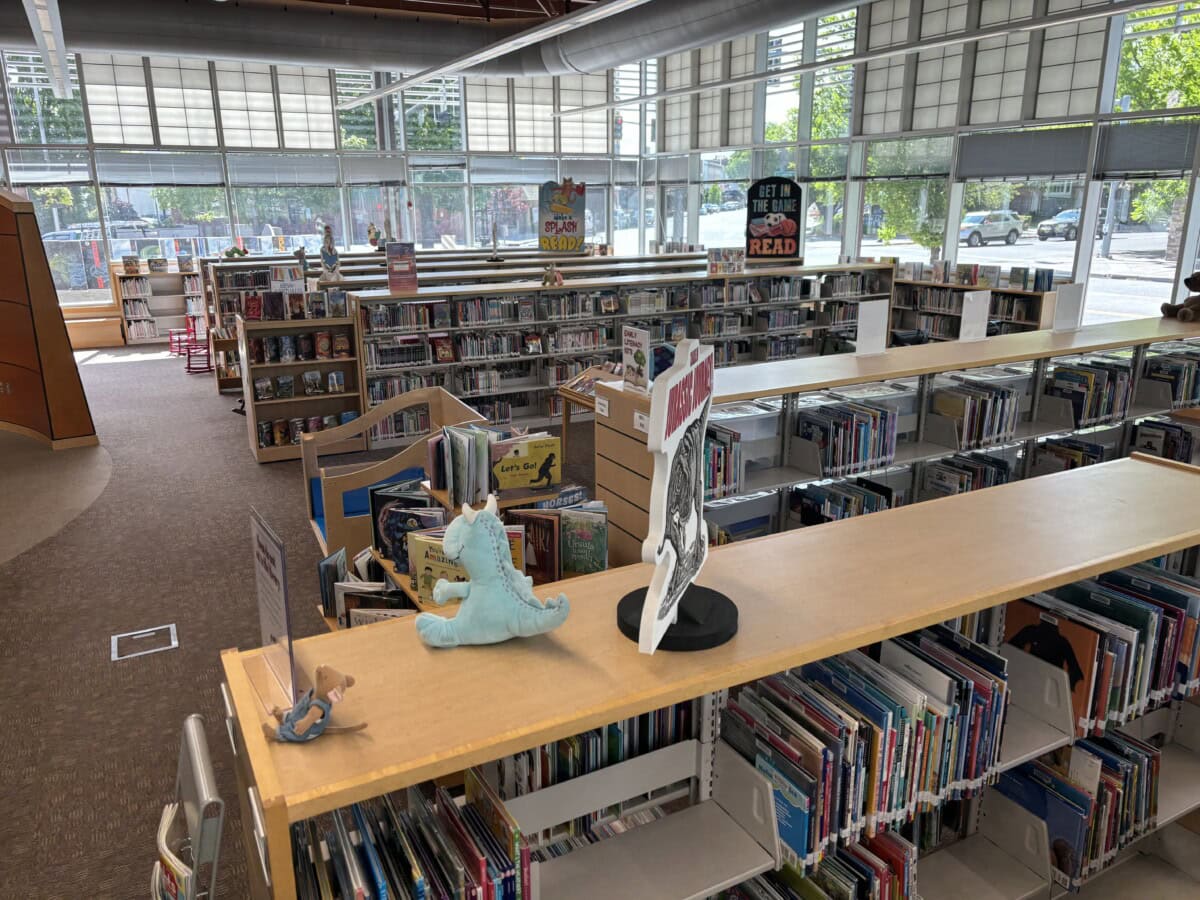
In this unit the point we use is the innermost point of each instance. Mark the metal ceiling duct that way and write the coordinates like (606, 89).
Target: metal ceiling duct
(359, 38)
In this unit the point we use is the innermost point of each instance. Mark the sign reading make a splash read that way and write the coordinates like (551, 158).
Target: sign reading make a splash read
(561, 216)
(774, 217)
(677, 542)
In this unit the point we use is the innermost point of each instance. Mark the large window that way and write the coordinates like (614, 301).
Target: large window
(439, 204)
(1160, 58)
(905, 218)
(69, 222)
(1137, 246)
(533, 119)
(118, 105)
(305, 107)
(39, 116)
(433, 115)
(1000, 223)
(626, 207)
(377, 205)
(512, 209)
(784, 51)
(583, 132)
(357, 124)
(166, 220)
(183, 102)
(487, 114)
(283, 219)
(247, 104)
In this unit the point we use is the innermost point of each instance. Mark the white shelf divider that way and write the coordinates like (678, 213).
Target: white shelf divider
(1039, 718)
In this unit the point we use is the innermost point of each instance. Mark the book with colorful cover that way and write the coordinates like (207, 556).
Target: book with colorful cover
(394, 523)
(524, 466)
(1018, 278)
(296, 305)
(427, 563)
(273, 306)
(442, 346)
(542, 542)
(989, 276)
(583, 541)
(501, 824)
(966, 273)
(336, 306)
(252, 307)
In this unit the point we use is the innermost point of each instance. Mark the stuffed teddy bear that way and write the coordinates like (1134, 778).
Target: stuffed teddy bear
(309, 718)
(1189, 309)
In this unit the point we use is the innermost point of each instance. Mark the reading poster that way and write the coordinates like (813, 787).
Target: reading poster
(561, 216)
(773, 219)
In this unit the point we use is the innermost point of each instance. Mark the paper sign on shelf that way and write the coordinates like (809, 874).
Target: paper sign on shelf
(872, 328)
(1068, 307)
(774, 219)
(602, 406)
(677, 539)
(561, 216)
(274, 616)
(636, 359)
(401, 267)
(976, 307)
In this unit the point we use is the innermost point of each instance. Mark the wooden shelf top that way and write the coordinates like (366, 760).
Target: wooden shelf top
(801, 598)
(817, 373)
(600, 283)
(311, 324)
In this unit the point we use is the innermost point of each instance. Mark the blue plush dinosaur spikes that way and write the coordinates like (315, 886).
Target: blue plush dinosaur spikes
(498, 602)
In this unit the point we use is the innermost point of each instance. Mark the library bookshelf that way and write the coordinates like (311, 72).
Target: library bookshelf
(932, 562)
(300, 409)
(936, 308)
(153, 303)
(623, 465)
(506, 347)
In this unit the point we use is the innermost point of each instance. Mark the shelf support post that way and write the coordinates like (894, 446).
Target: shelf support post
(1136, 364)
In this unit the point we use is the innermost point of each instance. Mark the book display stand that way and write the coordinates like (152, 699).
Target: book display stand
(468, 714)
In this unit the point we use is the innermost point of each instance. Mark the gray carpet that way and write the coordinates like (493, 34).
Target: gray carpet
(90, 746)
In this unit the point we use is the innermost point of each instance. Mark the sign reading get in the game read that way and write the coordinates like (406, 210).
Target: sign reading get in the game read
(561, 212)
(773, 219)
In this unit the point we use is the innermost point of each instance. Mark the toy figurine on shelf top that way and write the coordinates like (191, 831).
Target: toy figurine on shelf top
(551, 276)
(498, 602)
(330, 264)
(372, 234)
(1190, 307)
(310, 717)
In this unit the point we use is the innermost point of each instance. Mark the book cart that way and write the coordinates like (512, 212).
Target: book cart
(505, 347)
(153, 303)
(301, 407)
(763, 402)
(936, 308)
(799, 603)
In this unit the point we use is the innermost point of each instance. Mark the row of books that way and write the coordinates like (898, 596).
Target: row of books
(384, 387)
(1019, 277)
(1057, 454)
(983, 413)
(1176, 363)
(849, 437)
(723, 465)
(816, 504)
(415, 843)
(302, 347)
(769, 348)
(938, 326)
(965, 472)
(1166, 439)
(859, 744)
(415, 315)
(283, 432)
(137, 309)
(280, 305)
(719, 325)
(1016, 308)
(1128, 640)
(780, 319)
(242, 279)
(142, 329)
(470, 462)
(850, 284)
(883, 867)
(136, 287)
(283, 387)
(1099, 388)
(929, 299)
(191, 284)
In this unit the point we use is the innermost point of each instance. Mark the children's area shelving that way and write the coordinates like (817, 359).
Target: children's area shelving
(153, 303)
(432, 713)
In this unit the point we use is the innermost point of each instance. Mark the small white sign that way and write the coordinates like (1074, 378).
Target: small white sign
(976, 307)
(872, 328)
(1068, 307)
(274, 619)
(602, 406)
(641, 422)
(636, 360)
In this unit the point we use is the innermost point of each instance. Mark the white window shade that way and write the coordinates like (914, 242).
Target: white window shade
(129, 168)
(589, 171)
(513, 170)
(247, 104)
(708, 120)
(292, 169)
(677, 124)
(998, 87)
(1053, 151)
(374, 169)
(183, 102)
(27, 166)
(586, 132)
(305, 107)
(487, 114)
(118, 106)
(889, 23)
(533, 115)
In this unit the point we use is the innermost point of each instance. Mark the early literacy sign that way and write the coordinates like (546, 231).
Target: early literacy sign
(561, 212)
(677, 542)
(274, 616)
(773, 219)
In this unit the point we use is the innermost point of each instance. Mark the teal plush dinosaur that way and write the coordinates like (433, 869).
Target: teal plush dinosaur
(498, 602)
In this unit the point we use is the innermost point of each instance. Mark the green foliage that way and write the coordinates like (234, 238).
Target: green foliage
(712, 194)
(986, 196)
(41, 118)
(914, 208)
(423, 131)
(887, 232)
(357, 126)
(831, 107)
(1153, 200)
(1154, 65)
(190, 205)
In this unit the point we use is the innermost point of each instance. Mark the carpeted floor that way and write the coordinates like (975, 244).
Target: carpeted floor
(90, 748)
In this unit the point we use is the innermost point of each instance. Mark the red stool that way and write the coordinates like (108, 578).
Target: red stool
(198, 357)
(177, 339)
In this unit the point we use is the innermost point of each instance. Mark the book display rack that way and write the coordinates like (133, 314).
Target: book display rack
(921, 398)
(310, 382)
(153, 303)
(936, 308)
(505, 348)
(715, 824)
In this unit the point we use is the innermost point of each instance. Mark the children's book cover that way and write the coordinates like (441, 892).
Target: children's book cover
(523, 467)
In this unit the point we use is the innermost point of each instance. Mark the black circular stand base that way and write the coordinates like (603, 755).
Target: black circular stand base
(706, 619)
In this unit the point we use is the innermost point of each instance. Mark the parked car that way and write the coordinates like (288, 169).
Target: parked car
(1064, 225)
(729, 205)
(977, 228)
(707, 209)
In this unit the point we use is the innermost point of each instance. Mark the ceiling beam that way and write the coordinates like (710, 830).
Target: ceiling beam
(46, 23)
(535, 35)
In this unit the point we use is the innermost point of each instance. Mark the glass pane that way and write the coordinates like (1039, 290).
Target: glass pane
(183, 102)
(649, 218)
(625, 220)
(596, 214)
(433, 115)
(915, 156)
(823, 229)
(723, 214)
(1158, 58)
(440, 215)
(282, 219)
(784, 47)
(378, 206)
(247, 101)
(356, 125)
(905, 218)
(513, 211)
(533, 122)
(68, 219)
(118, 105)
(1001, 221)
(166, 221)
(305, 107)
(1133, 261)
(39, 116)
(487, 114)
(675, 215)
